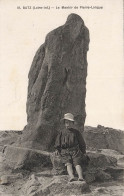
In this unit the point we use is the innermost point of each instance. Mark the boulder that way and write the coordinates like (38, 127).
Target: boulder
(58, 165)
(8, 137)
(57, 85)
(4, 168)
(108, 189)
(100, 168)
(98, 160)
(37, 186)
(8, 179)
(97, 175)
(112, 153)
(31, 186)
(101, 137)
(35, 157)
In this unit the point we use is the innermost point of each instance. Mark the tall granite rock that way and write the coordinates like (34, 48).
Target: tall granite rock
(57, 84)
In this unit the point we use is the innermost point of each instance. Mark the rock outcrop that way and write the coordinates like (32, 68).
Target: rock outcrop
(100, 168)
(101, 137)
(8, 137)
(57, 85)
(54, 185)
(106, 168)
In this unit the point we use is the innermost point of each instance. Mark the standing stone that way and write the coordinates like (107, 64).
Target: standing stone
(57, 84)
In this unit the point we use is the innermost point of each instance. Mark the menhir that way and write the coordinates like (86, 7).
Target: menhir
(57, 84)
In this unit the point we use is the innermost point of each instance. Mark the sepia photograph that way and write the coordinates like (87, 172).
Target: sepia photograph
(61, 100)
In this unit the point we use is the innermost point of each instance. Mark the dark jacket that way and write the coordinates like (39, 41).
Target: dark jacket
(69, 139)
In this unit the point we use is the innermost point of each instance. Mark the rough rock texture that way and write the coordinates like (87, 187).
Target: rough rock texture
(8, 137)
(96, 139)
(44, 184)
(8, 179)
(100, 168)
(104, 138)
(57, 85)
(39, 185)
(57, 82)
(32, 158)
(104, 176)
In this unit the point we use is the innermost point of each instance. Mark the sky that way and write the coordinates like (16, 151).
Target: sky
(24, 30)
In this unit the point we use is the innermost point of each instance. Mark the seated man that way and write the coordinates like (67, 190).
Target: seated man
(71, 146)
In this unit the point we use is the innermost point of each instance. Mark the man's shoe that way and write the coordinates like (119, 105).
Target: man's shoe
(72, 179)
(81, 179)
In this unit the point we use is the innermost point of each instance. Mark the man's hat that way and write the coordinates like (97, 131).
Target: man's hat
(68, 116)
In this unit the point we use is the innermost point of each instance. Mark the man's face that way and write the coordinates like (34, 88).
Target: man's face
(69, 124)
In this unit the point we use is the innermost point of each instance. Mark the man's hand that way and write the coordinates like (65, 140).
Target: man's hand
(56, 153)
